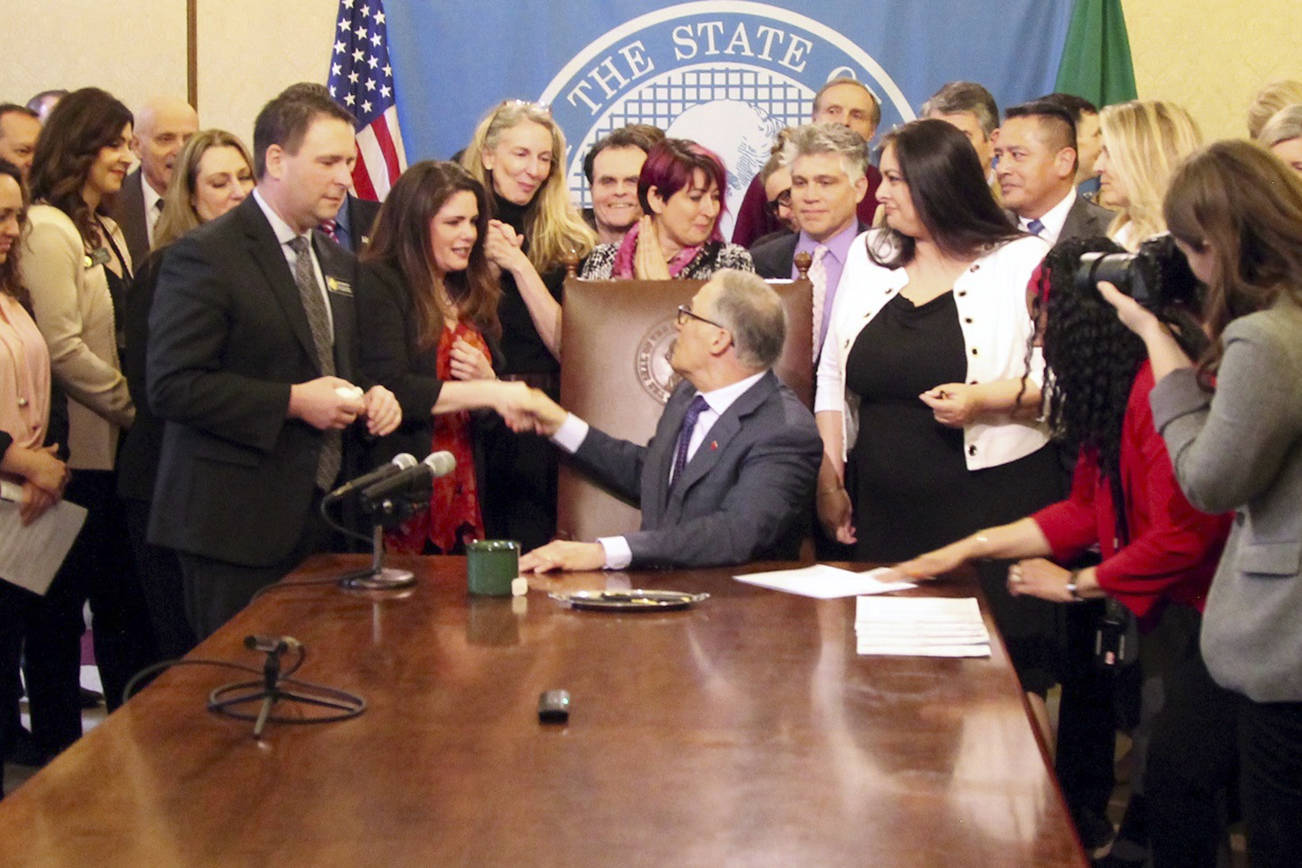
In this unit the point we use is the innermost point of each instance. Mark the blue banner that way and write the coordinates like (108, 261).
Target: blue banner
(727, 73)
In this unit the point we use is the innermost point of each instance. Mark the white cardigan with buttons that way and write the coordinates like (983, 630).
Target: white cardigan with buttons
(991, 301)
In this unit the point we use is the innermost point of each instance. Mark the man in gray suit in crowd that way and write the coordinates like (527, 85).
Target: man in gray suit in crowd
(1036, 168)
(730, 472)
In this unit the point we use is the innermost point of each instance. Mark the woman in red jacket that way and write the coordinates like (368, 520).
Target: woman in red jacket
(1158, 552)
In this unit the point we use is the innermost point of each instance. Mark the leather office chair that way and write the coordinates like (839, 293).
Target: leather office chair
(615, 374)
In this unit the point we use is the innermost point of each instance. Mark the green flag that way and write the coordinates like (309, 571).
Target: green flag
(1096, 58)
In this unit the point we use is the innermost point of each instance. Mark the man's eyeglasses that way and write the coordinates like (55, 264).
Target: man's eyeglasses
(782, 200)
(685, 313)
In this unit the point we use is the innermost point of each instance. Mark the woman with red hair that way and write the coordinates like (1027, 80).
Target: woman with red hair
(681, 192)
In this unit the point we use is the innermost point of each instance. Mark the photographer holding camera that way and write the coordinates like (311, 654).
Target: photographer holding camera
(1233, 428)
(1158, 552)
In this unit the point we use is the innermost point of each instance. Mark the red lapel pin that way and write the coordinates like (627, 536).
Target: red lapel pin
(714, 445)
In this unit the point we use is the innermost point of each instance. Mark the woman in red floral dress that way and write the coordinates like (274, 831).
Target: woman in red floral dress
(427, 308)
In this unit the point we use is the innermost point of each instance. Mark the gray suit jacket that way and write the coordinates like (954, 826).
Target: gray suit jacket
(743, 496)
(1085, 220)
(1240, 448)
(129, 212)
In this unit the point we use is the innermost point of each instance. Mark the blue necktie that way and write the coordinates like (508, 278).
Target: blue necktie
(1035, 227)
(694, 410)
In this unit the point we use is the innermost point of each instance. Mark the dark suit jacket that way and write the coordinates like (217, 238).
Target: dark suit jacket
(361, 216)
(773, 258)
(227, 338)
(743, 496)
(391, 356)
(1085, 220)
(129, 211)
(138, 455)
(754, 220)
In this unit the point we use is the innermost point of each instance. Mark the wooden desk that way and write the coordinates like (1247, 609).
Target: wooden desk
(745, 731)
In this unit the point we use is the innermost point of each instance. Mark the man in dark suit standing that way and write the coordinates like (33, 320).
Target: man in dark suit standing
(729, 475)
(1036, 150)
(163, 126)
(828, 163)
(251, 351)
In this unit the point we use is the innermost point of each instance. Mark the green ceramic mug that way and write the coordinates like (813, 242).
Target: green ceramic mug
(491, 564)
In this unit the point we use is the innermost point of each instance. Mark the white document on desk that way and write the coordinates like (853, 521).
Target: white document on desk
(825, 583)
(30, 556)
(921, 627)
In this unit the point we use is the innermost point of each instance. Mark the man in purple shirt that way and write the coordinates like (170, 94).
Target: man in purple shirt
(828, 163)
(843, 101)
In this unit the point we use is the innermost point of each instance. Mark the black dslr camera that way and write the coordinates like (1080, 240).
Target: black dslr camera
(1157, 275)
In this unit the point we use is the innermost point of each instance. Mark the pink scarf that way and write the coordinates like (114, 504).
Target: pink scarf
(623, 268)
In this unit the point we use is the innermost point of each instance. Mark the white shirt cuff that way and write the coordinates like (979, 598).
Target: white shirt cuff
(618, 554)
(571, 434)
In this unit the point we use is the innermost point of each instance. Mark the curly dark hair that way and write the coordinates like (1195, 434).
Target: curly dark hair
(81, 124)
(1093, 360)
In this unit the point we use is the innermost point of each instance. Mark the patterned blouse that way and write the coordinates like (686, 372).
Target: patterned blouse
(713, 256)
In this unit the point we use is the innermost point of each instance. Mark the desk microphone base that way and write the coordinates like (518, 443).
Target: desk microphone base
(378, 577)
(384, 579)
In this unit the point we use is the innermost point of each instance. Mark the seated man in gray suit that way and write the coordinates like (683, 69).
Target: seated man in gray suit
(1036, 152)
(827, 163)
(730, 472)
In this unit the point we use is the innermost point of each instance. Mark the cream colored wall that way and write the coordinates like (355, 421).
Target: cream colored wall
(75, 43)
(250, 50)
(1211, 56)
(1208, 55)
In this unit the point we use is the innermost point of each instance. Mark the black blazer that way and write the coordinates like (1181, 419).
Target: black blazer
(773, 258)
(391, 356)
(138, 455)
(227, 337)
(128, 210)
(361, 217)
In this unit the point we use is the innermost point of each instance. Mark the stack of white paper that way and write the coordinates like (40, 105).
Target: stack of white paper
(921, 627)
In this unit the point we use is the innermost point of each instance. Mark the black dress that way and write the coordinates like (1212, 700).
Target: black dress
(519, 497)
(912, 489)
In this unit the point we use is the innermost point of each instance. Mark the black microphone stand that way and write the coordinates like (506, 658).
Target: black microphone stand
(378, 577)
(228, 698)
(390, 511)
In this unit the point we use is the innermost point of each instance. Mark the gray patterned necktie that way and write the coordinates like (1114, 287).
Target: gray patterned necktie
(314, 305)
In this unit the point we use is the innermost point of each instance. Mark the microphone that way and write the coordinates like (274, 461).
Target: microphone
(271, 644)
(436, 464)
(400, 462)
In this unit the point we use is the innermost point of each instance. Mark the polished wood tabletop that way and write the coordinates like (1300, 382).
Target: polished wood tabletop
(743, 731)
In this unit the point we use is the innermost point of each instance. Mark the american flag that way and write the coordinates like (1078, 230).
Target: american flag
(361, 80)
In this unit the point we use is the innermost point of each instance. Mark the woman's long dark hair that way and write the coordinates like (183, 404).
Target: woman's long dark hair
(1092, 360)
(9, 281)
(401, 240)
(80, 125)
(949, 193)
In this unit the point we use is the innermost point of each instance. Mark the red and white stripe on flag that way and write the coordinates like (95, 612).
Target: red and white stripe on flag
(361, 80)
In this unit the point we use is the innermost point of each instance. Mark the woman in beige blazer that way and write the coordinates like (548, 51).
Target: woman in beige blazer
(75, 265)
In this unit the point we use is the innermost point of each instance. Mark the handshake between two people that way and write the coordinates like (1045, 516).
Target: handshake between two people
(524, 409)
